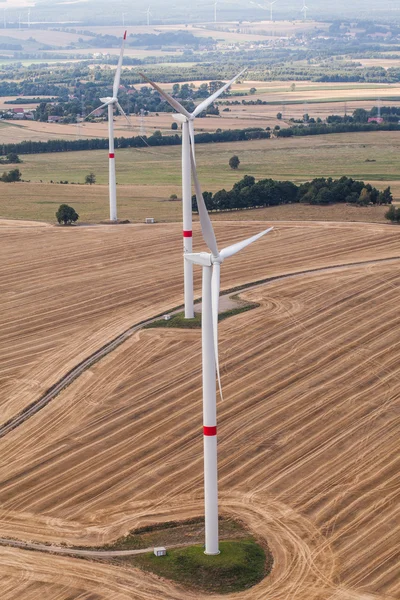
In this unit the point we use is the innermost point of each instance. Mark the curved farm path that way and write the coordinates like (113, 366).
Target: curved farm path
(308, 437)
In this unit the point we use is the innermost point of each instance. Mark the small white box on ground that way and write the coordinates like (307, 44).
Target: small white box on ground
(167, 317)
(161, 551)
(149, 220)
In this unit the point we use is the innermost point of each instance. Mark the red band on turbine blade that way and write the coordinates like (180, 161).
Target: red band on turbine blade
(111, 155)
(187, 233)
(210, 431)
(125, 35)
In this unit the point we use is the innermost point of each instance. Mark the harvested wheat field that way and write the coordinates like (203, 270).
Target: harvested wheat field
(83, 286)
(308, 429)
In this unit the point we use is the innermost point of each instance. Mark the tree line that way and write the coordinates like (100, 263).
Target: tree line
(31, 147)
(247, 193)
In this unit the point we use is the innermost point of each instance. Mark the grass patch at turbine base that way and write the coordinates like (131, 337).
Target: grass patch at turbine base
(178, 320)
(240, 565)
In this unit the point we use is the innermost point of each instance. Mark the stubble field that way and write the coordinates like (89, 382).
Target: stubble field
(308, 430)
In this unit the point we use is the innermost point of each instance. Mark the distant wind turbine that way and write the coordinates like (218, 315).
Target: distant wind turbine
(271, 4)
(148, 13)
(215, 11)
(304, 10)
(110, 103)
(211, 264)
(123, 19)
(29, 18)
(187, 120)
(5, 19)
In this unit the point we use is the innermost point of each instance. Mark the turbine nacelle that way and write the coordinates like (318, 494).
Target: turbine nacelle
(107, 101)
(180, 118)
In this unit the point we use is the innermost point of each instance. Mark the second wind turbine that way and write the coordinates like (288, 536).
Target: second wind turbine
(187, 121)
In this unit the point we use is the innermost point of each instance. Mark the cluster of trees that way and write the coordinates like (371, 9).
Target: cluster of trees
(391, 114)
(247, 193)
(232, 135)
(11, 176)
(11, 159)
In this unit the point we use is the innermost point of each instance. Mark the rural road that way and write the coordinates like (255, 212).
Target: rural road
(225, 303)
(79, 552)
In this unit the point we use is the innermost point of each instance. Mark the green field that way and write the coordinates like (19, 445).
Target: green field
(148, 177)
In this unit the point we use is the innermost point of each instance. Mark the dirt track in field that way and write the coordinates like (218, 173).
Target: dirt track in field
(308, 430)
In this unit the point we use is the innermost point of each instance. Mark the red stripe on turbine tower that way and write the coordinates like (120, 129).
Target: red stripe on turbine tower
(187, 233)
(209, 431)
(111, 155)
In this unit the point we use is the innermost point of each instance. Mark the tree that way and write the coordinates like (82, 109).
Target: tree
(13, 158)
(234, 162)
(253, 90)
(90, 179)
(385, 197)
(279, 116)
(365, 197)
(174, 126)
(66, 214)
(360, 115)
(11, 176)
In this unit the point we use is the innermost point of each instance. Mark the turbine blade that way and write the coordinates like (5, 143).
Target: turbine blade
(171, 101)
(191, 134)
(206, 103)
(206, 226)
(124, 114)
(117, 78)
(98, 108)
(215, 287)
(231, 250)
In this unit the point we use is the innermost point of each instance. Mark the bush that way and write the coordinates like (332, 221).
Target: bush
(393, 214)
(66, 214)
(90, 179)
(174, 126)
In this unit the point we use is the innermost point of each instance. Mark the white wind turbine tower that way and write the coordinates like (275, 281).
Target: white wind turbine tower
(211, 264)
(215, 11)
(29, 18)
(110, 103)
(187, 121)
(304, 10)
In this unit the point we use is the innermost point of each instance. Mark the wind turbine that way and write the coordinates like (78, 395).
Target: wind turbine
(123, 19)
(211, 264)
(29, 18)
(187, 121)
(215, 11)
(304, 10)
(148, 13)
(110, 103)
(265, 8)
(5, 18)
